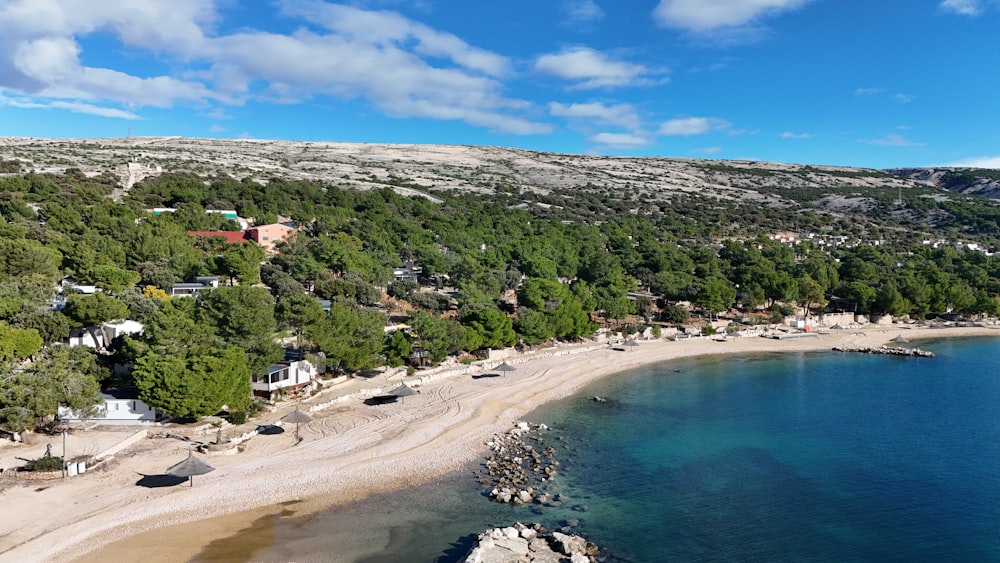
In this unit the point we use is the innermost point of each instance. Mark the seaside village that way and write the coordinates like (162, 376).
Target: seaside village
(281, 391)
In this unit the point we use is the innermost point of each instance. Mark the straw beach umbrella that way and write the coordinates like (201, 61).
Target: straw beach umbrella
(506, 367)
(631, 343)
(403, 390)
(900, 339)
(297, 417)
(189, 467)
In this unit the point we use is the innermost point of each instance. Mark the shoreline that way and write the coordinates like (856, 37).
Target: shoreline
(350, 451)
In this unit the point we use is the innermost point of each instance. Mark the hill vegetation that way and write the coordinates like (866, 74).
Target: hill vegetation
(514, 247)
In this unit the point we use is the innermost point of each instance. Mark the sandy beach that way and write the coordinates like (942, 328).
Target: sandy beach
(348, 452)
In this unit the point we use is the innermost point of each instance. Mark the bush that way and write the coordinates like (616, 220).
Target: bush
(44, 463)
(708, 330)
(238, 417)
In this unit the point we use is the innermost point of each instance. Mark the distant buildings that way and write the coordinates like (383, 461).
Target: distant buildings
(267, 236)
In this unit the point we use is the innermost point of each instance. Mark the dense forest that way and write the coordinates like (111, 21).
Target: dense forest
(504, 268)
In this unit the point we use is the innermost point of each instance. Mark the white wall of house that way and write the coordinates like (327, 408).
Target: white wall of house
(286, 374)
(115, 411)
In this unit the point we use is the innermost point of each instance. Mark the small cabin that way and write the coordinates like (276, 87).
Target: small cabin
(283, 377)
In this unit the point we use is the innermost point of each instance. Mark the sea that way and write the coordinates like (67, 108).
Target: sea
(818, 456)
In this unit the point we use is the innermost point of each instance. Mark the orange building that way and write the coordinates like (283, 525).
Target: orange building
(269, 235)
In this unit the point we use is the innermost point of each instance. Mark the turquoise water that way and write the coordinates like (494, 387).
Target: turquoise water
(800, 457)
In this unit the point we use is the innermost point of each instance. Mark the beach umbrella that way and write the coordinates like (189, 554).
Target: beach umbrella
(900, 339)
(506, 367)
(403, 390)
(837, 327)
(631, 343)
(297, 417)
(189, 468)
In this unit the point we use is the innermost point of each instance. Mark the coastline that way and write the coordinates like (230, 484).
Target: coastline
(350, 451)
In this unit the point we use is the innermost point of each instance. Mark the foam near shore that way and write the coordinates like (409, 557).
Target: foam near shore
(349, 451)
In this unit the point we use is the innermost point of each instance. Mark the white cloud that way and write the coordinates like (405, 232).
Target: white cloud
(402, 67)
(707, 150)
(978, 162)
(790, 135)
(582, 11)
(76, 107)
(704, 16)
(593, 69)
(620, 140)
(388, 29)
(868, 91)
(963, 7)
(618, 115)
(904, 98)
(687, 126)
(895, 140)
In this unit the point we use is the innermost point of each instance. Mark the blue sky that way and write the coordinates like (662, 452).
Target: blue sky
(880, 84)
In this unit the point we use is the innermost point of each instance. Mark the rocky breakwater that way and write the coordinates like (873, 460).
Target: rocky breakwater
(531, 543)
(519, 468)
(887, 351)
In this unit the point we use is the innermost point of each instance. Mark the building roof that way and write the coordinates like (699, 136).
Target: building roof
(230, 236)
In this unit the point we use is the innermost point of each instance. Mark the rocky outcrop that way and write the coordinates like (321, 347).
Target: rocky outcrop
(519, 468)
(531, 544)
(887, 351)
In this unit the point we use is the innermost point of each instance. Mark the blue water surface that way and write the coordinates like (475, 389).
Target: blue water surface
(791, 457)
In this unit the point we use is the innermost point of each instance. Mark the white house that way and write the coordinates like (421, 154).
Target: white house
(115, 329)
(100, 337)
(91, 337)
(120, 407)
(283, 377)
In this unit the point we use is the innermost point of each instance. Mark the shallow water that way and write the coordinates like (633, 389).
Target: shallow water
(792, 457)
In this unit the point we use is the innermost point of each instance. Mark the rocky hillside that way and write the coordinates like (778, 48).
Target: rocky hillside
(962, 180)
(649, 184)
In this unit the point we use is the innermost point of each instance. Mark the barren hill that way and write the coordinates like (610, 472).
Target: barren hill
(426, 169)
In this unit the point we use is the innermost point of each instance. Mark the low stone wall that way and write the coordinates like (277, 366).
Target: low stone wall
(36, 475)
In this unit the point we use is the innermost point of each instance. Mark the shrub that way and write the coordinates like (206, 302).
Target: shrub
(238, 417)
(44, 463)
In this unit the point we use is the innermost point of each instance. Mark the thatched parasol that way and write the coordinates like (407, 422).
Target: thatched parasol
(900, 339)
(631, 343)
(505, 367)
(297, 417)
(403, 390)
(189, 467)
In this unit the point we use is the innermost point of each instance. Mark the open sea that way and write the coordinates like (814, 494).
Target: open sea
(791, 457)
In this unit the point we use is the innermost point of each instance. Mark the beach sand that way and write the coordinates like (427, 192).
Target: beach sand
(348, 452)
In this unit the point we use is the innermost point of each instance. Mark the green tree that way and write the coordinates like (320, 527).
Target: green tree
(194, 385)
(489, 328)
(397, 348)
(113, 279)
(242, 262)
(92, 310)
(350, 337)
(60, 376)
(298, 312)
(715, 295)
(439, 337)
(810, 293)
(18, 343)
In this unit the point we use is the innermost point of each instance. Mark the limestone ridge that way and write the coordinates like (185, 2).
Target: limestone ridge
(421, 169)
(962, 180)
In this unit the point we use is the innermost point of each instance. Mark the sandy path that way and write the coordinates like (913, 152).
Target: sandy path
(349, 451)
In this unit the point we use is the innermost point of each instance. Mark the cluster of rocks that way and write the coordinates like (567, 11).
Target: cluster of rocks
(533, 544)
(888, 351)
(518, 471)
